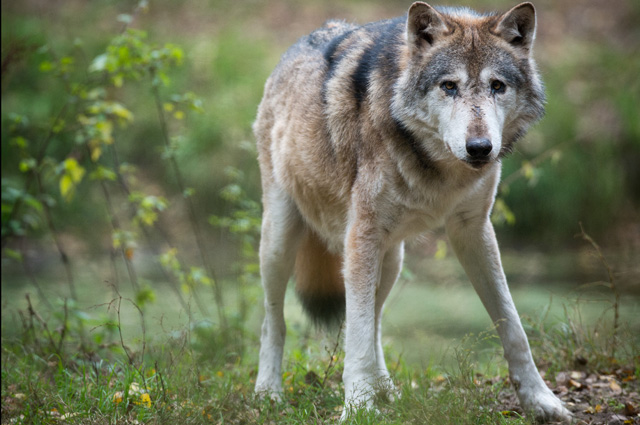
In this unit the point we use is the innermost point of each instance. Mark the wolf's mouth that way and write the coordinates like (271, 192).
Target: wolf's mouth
(477, 163)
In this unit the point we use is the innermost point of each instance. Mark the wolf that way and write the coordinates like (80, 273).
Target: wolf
(368, 135)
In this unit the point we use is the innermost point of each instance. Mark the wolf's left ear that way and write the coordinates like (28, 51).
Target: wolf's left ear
(425, 26)
(518, 26)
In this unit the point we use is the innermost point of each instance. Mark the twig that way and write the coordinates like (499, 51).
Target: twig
(115, 224)
(65, 326)
(124, 347)
(164, 390)
(331, 359)
(34, 314)
(612, 285)
(33, 279)
(118, 302)
(534, 163)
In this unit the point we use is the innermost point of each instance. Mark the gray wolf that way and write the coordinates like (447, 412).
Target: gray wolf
(370, 134)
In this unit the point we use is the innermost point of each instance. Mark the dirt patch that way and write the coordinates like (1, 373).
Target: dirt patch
(594, 398)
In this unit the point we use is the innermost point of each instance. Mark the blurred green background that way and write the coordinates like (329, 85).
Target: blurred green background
(580, 164)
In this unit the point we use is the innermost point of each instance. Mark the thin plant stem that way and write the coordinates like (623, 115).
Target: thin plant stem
(612, 285)
(193, 217)
(171, 279)
(34, 280)
(56, 238)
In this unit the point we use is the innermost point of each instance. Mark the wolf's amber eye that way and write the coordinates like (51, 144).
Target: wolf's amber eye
(449, 88)
(497, 86)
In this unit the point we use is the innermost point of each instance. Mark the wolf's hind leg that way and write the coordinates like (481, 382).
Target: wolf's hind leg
(281, 230)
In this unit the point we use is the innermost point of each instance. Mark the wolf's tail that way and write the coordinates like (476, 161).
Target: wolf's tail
(319, 281)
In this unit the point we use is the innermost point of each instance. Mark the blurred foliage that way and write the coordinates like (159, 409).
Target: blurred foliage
(65, 98)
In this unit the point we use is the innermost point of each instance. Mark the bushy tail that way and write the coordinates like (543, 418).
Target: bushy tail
(319, 281)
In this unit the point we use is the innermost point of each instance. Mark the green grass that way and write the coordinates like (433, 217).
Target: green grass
(184, 388)
(89, 367)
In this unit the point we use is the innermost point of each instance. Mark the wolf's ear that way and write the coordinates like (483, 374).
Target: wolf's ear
(518, 26)
(425, 25)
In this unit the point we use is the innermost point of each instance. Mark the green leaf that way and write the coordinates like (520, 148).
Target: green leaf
(103, 173)
(117, 80)
(72, 174)
(46, 66)
(527, 170)
(441, 250)
(145, 295)
(502, 213)
(121, 112)
(19, 142)
(13, 254)
(33, 203)
(66, 187)
(74, 170)
(27, 165)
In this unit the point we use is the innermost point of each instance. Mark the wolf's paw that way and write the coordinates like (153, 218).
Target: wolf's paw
(271, 392)
(386, 389)
(544, 406)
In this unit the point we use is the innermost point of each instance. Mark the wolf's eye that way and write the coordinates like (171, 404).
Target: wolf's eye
(449, 88)
(497, 86)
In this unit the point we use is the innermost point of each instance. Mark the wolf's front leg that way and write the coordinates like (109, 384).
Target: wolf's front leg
(362, 273)
(474, 242)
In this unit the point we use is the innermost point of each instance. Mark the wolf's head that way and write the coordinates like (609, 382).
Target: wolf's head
(469, 88)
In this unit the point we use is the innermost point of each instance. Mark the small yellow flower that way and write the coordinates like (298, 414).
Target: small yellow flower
(117, 397)
(145, 400)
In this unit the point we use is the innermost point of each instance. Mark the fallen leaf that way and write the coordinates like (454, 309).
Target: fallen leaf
(615, 387)
(577, 375)
(575, 384)
(593, 409)
(630, 409)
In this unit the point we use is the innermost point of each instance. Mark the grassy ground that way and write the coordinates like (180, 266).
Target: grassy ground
(178, 382)
(115, 364)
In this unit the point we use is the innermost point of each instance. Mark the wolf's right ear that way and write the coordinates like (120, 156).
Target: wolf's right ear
(425, 26)
(518, 26)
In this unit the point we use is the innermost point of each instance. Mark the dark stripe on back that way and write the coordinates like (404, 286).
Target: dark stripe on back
(381, 53)
(360, 77)
(332, 59)
(329, 52)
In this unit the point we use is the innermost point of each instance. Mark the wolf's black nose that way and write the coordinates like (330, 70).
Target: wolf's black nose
(479, 148)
